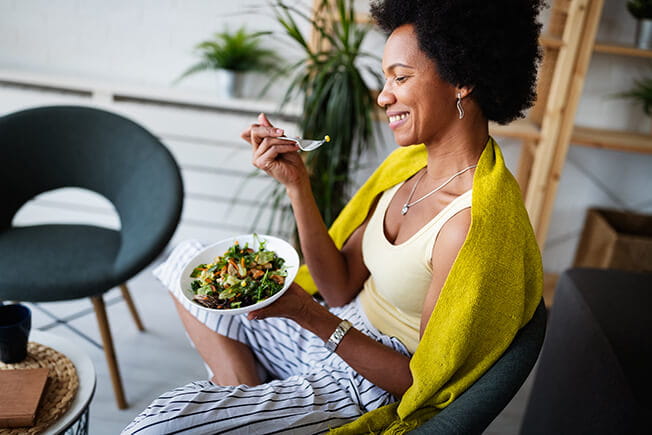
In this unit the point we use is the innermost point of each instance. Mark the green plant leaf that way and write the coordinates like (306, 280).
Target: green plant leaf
(641, 9)
(640, 93)
(328, 81)
(237, 51)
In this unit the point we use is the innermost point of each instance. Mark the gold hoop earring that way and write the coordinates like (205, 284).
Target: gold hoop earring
(460, 110)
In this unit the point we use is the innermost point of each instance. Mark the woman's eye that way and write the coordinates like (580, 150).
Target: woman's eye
(400, 79)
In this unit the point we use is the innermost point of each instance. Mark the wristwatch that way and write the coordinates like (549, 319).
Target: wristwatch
(337, 335)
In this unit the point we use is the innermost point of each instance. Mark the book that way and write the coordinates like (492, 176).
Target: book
(20, 394)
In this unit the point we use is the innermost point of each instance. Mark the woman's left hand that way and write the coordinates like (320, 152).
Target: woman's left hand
(294, 304)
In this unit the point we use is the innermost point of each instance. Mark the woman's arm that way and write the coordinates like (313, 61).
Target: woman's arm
(448, 244)
(378, 363)
(339, 274)
(381, 365)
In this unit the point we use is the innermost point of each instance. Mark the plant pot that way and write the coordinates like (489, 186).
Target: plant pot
(644, 34)
(229, 83)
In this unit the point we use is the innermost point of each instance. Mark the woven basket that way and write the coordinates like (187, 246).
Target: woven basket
(59, 392)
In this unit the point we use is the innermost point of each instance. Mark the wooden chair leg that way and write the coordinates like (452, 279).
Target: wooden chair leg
(132, 308)
(109, 353)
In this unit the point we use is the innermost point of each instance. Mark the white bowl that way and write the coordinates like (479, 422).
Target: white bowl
(207, 255)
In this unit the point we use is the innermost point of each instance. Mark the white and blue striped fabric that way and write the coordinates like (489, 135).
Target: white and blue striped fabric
(312, 389)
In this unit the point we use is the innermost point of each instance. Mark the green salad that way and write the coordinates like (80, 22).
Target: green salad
(239, 278)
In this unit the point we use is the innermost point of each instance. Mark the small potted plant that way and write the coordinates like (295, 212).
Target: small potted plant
(641, 93)
(230, 55)
(642, 11)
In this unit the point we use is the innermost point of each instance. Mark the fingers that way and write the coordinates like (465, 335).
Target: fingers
(267, 153)
(247, 134)
(262, 313)
(262, 120)
(253, 315)
(293, 305)
(267, 149)
(260, 132)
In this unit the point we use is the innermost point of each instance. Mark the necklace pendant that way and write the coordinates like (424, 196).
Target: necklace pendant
(405, 209)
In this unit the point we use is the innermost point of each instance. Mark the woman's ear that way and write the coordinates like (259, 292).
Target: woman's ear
(463, 91)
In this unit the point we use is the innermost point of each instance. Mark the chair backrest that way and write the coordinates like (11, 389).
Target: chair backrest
(594, 375)
(478, 406)
(51, 147)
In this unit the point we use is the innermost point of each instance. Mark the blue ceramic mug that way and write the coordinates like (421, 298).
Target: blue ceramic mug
(15, 324)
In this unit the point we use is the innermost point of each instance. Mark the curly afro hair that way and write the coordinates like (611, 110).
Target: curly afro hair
(491, 46)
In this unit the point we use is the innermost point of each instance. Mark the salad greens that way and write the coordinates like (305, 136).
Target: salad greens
(239, 278)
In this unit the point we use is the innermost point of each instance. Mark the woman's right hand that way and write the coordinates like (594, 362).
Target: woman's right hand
(277, 157)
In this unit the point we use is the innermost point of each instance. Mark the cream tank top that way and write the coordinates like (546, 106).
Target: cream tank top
(400, 275)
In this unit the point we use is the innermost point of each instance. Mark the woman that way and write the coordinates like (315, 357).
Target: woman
(438, 225)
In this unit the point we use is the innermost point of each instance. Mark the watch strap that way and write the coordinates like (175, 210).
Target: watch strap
(337, 335)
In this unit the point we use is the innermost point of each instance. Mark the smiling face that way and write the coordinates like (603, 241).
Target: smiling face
(419, 104)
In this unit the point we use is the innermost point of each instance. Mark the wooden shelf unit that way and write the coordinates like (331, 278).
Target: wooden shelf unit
(553, 42)
(550, 128)
(618, 140)
(621, 50)
(524, 129)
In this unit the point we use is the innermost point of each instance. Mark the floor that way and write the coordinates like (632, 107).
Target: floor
(158, 359)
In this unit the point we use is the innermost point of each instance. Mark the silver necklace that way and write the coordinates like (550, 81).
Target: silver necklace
(408, 204)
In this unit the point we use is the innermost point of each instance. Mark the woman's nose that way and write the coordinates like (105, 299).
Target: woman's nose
(386, 97)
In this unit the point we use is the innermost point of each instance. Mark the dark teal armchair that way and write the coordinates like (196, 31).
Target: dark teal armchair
(47, 148)
(474, 410)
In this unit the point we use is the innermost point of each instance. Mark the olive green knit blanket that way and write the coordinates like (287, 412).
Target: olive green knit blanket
(491, 292)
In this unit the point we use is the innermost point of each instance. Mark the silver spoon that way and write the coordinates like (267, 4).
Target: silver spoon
(307, 144)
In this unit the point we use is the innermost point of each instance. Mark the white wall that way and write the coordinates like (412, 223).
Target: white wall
(148, 43)
(141, 42)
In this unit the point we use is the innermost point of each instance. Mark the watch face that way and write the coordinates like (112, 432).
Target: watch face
(338, 334)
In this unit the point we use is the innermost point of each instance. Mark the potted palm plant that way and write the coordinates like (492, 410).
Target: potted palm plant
(336, 99)
(230, 55)
(642, 11)
(641, 93)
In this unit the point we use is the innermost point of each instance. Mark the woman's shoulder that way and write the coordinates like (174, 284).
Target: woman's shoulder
(453, 232)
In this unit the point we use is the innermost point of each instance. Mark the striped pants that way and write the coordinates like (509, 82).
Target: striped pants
(313, 389)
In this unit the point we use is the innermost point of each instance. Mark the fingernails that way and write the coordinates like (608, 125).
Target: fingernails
(278, 131)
